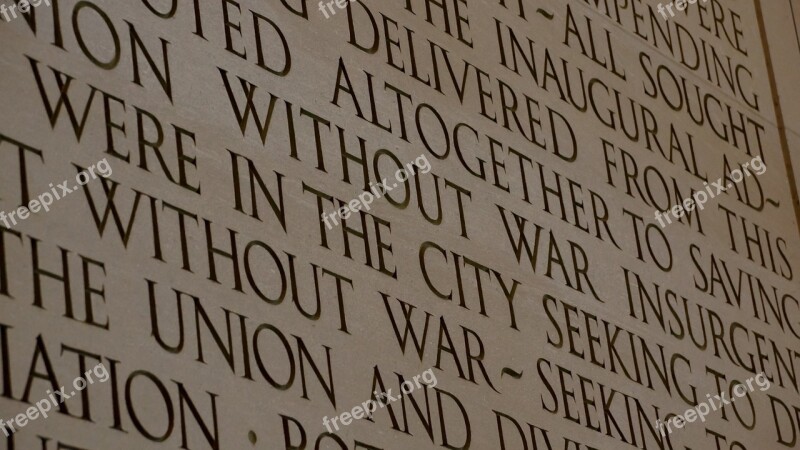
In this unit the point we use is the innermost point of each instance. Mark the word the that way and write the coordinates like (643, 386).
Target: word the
(46, 199)
(370, 406)
(679, 4)
(24, 7)
(44, 406)
(329, 6)
(703, 408)
(700, 198)
(367, 197)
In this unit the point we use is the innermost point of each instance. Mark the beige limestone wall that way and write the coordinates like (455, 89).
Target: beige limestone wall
(522, 273)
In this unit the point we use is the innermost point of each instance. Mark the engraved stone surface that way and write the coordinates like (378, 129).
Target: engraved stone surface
(417, 224)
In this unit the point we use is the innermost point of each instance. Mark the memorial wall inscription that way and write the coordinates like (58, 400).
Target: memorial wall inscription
(352, 224)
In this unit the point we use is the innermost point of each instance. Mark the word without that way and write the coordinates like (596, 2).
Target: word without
(370, 406)
(376, 191)
(45, 405)
(679, 4)
(46, 199)
(700, 198)
(703, 408)
(24, 7)
(329, 6)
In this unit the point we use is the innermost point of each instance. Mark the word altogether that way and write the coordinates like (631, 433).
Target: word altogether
(375, 192)
(44, 406)
(679, 4)
(370, 406)
(24, 7)
(702, 409)
(46, 199)
(700, 198)
(329, 6)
